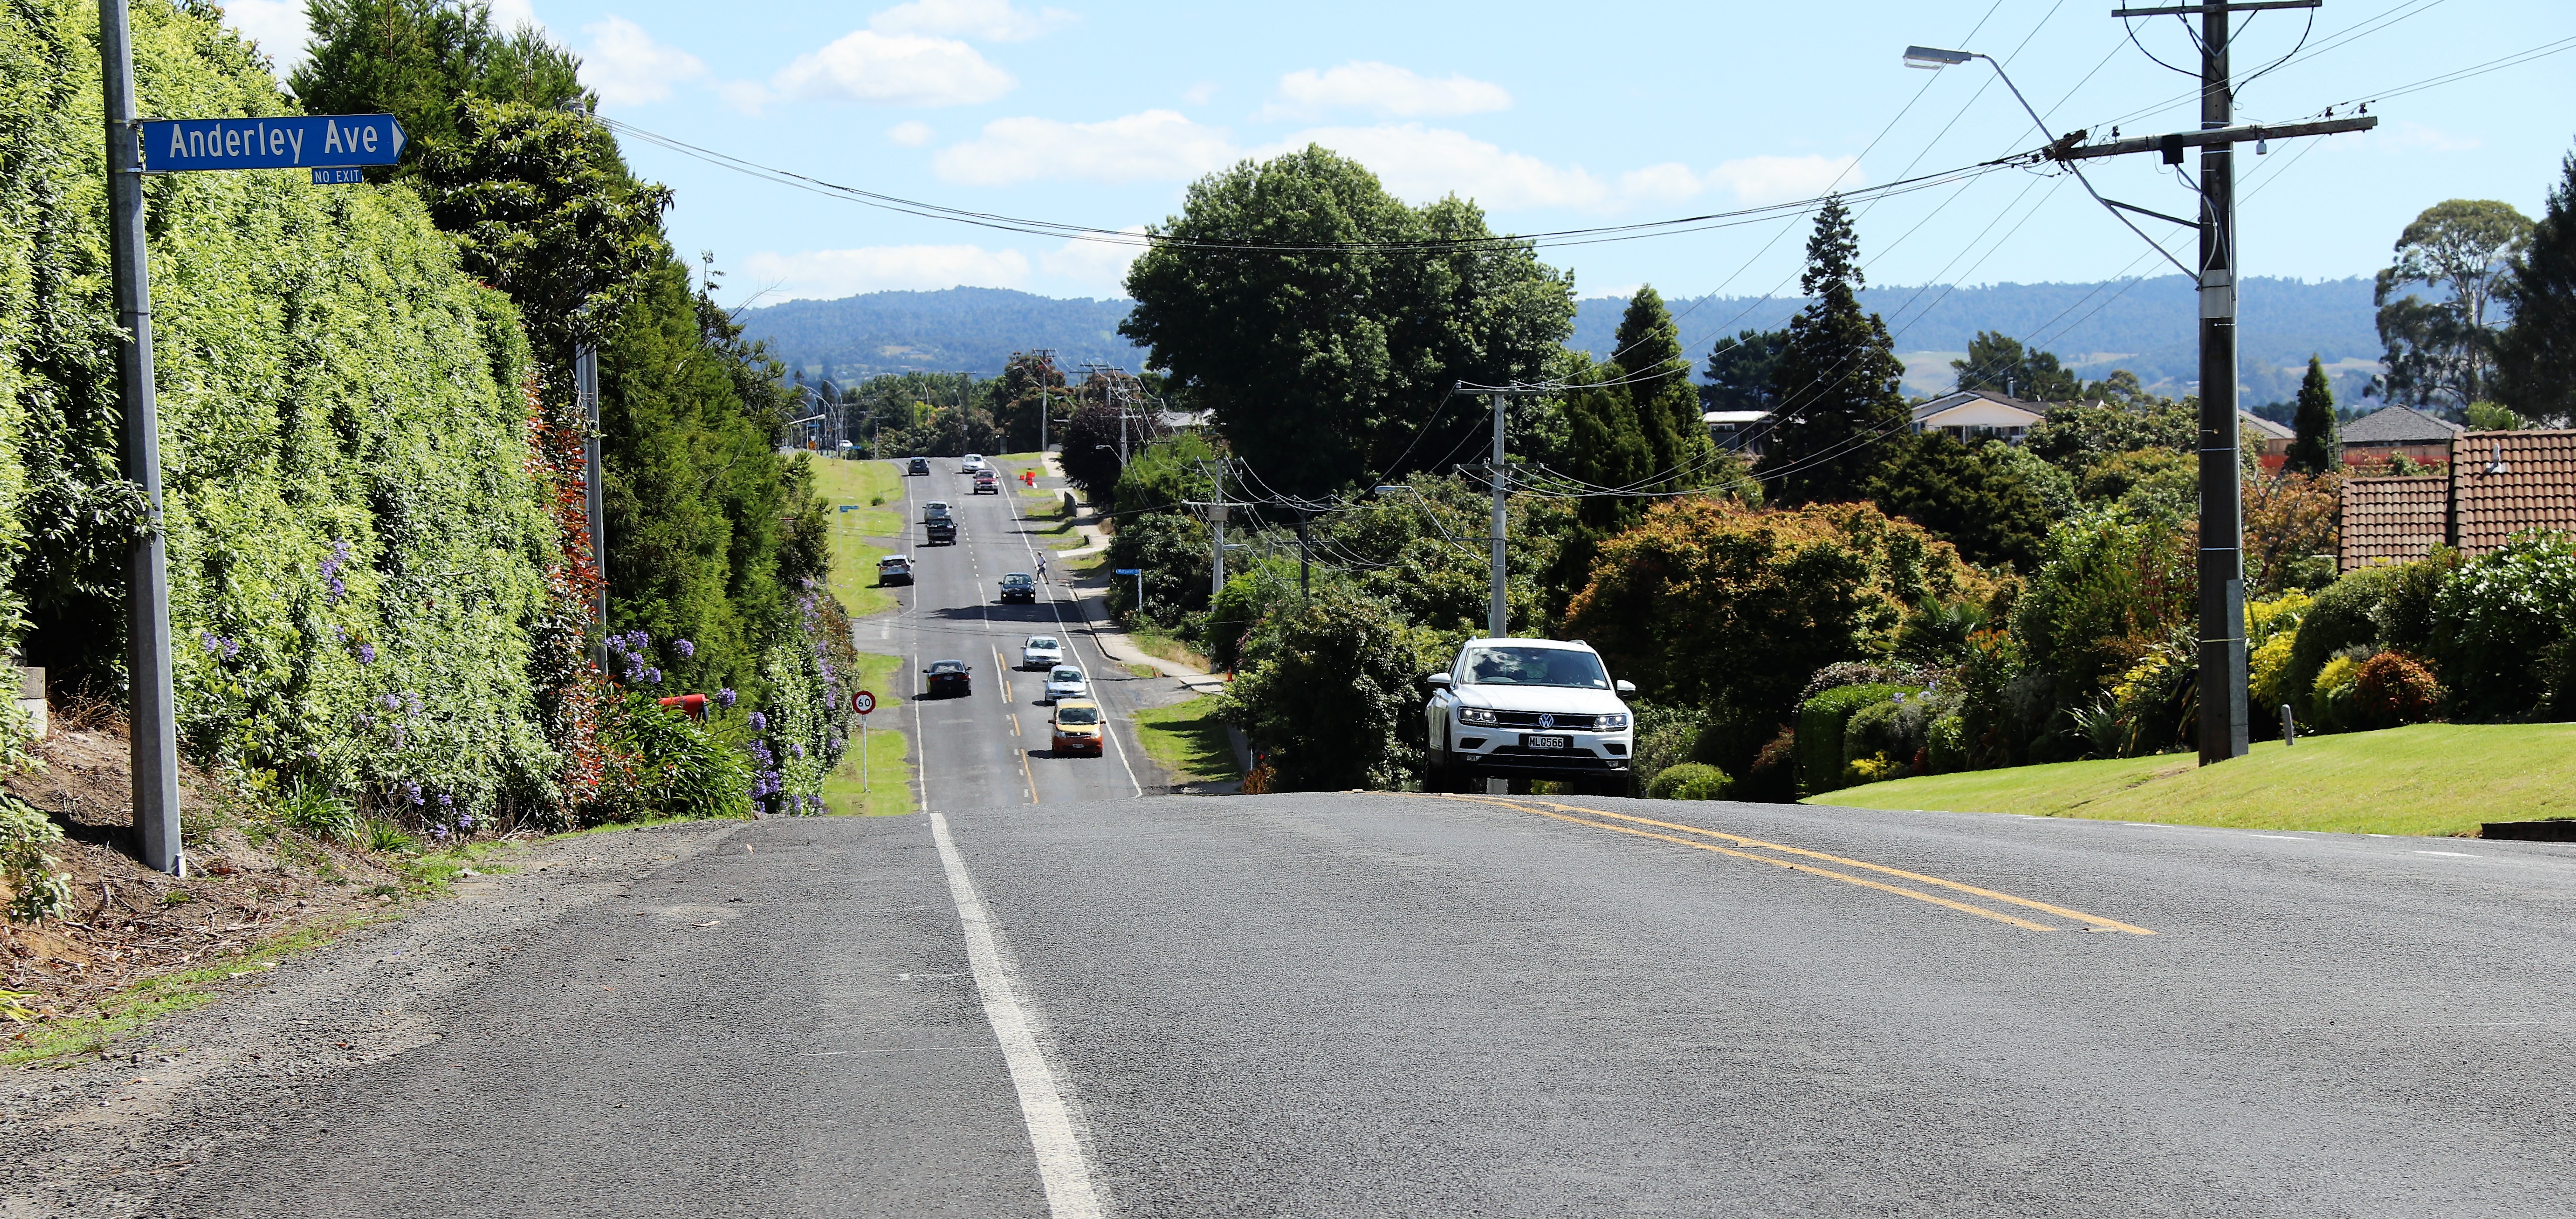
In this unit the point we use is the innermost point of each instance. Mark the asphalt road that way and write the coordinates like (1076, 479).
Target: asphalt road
(1353, 1004)
(990, 749)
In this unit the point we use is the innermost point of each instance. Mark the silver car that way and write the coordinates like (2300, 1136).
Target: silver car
(1067, 682)
(1041, 652)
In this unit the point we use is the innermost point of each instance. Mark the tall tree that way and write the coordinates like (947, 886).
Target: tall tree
(1840, 404)
(1323, 355)
(1656, 381)
(1742, 372)
(1998, 363)
(414, 59)
(2440, 351)
(2314, 451)
(2536, 355)
(1974, 499)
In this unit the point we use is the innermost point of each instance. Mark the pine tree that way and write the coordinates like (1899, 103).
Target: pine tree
(2313, 452)
(2536, 357)
(1840, 405)
(1659, 392)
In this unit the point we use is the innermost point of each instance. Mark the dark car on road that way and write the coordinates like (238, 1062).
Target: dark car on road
(1019, 586)
(920, 465)
(949, 679)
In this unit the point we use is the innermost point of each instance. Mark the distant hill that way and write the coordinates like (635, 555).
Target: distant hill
(2149, 327)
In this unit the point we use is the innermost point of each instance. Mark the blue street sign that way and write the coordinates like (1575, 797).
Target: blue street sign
(1131, 571)
(338, 177)
(283, 142)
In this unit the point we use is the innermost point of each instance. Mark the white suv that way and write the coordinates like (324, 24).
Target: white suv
(1528, 709)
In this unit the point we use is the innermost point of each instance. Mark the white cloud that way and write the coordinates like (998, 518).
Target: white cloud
(509, 15)
(894, 70)
(1424, 163)
(1097, 265)
(1200, 94)
(1382, 89)
(991, 20)
(1155, 145)
(628, 68)
(832, 274)
(1670, 182)
(1767, 179)
(911, 134)
(276, 25)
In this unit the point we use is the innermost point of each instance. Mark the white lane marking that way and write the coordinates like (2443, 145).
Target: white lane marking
(1061, 1163)
(1056, 608)
(2448, 854)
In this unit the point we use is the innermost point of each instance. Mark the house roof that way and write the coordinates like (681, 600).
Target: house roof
(1976, 408)
(2393, 520)
(2506, 482)
(2399, 425)
(2257, 423)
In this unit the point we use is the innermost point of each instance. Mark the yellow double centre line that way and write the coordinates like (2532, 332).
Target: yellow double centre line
(1589, 816)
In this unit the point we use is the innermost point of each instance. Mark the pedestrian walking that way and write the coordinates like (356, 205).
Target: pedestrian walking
(1041, 569)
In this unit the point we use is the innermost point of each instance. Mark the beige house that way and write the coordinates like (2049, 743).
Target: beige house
(1972, 415)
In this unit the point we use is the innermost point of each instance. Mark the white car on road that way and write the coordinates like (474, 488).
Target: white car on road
(1041, 652)
(1528, 709)
(970, 463)
(1066, 682)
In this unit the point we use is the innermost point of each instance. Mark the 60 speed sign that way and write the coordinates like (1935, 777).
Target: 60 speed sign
(863, 702)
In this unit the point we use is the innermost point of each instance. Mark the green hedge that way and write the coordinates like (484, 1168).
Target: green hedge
(356, 540)
(1820, 732)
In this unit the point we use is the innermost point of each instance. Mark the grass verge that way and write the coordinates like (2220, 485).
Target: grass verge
(2430, 779)
(1188, 741)
(1157, 642)
(865, 486)
(889, 787)
(152, 998)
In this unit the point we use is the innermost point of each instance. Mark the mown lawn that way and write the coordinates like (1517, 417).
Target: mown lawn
(2430, 779)
(874, 492)
(889, 787)
(1188, 742)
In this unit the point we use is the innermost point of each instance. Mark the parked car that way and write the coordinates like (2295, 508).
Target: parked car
(986, 483)
(970, 463)
(949, 679)
(1019, 586)
(1041, 652)
(895, 569)
(1528, 709)
(920, 465)
(1064, 682)
(1078, 727)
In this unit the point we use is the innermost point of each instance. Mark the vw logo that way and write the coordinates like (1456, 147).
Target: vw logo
(1546, 721)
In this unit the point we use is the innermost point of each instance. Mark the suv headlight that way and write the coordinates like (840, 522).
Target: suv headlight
(1476, 715)
(1616, 721)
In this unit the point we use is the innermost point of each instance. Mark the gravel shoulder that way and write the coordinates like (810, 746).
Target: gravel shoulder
(109, 1137)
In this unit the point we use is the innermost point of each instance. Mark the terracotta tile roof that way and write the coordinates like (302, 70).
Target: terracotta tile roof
(2393, 520)
(2506, 482)
(2399, 425)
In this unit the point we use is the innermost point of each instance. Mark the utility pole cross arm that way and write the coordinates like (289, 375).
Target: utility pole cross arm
(2067, 149)
(2248, 6)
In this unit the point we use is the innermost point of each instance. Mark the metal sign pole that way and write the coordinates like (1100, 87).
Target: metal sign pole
(152, 717)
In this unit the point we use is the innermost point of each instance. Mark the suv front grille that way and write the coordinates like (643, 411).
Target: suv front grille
(1529, 719)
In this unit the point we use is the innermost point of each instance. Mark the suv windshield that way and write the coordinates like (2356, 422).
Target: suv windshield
(1043, 643)
(1510, 666)
(1084, 716)
(1065, 674)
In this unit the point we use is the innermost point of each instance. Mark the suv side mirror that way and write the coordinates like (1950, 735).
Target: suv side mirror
(1624, 688)
(1440, 680)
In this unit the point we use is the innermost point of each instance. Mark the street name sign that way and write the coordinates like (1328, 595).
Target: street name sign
(295, 141)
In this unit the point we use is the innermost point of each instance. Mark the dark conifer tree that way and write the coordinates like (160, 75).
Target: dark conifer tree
(2536, 356)
(2313, 452)
(1840, 405)
(1660, 396)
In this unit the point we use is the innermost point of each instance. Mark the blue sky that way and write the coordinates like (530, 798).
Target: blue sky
(1551, 116)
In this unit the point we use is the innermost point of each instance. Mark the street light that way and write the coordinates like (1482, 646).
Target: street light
(1934, 59)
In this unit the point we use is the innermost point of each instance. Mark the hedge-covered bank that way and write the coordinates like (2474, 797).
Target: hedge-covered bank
(357, 540)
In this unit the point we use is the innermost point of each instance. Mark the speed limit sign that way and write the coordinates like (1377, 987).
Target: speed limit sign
(863, 702)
